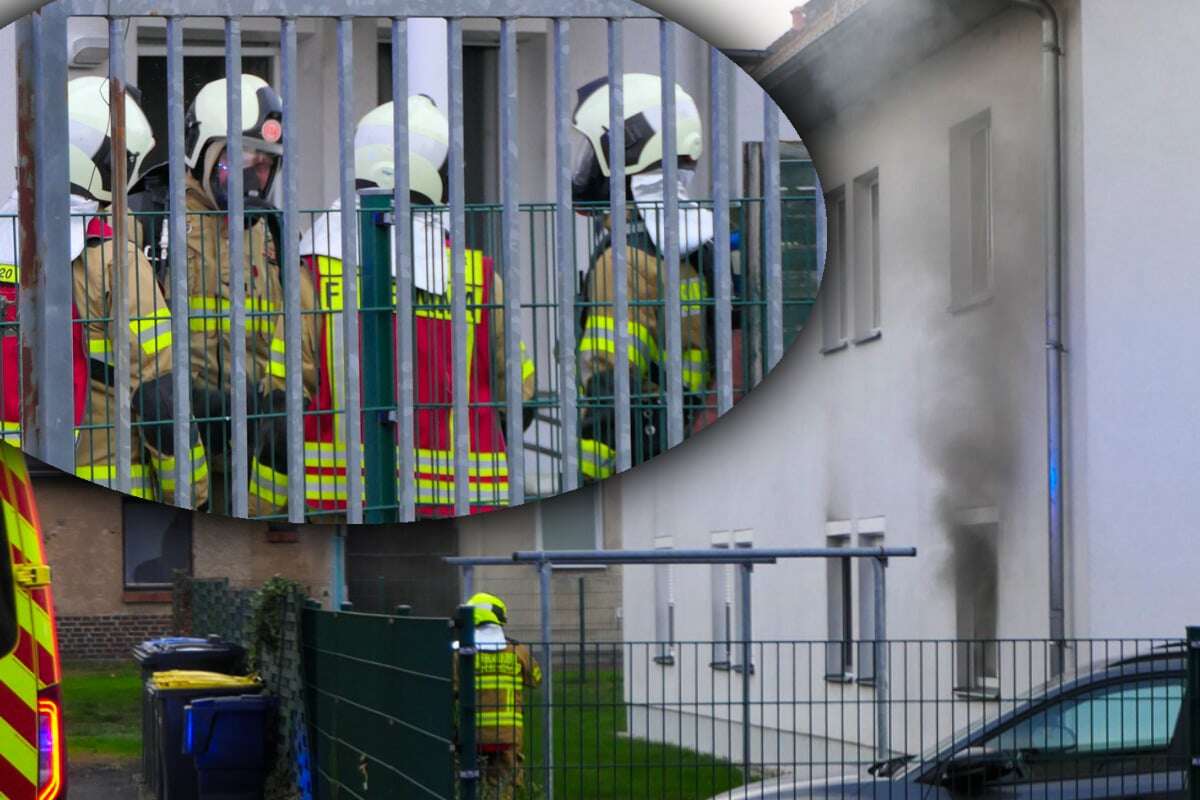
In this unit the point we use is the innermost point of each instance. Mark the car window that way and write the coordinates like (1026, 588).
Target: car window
(1125, 716)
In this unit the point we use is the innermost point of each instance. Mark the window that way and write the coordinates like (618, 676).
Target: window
(870, 534)
(664, 605)
(866, 257)
(1137, 715)
(839, 650)
(971, 212)
(976, 597)
(721, 592)
(833, 285)
(571, 521)
(158, 541)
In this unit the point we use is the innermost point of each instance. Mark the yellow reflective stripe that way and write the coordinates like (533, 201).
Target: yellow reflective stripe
(165, 467)
(140, 484)
(324, 454)
(100, 349)
(15, 674)
(153, 333)
(691, 289)
(277, 366)
(18, 751)
(600, 334)
(497, 681)
(217, 310)
(268, 484)
(695, 369)
(499, 719)
(10, 431)
(596, 459)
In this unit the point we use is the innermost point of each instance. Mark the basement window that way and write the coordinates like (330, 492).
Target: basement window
(157, 542)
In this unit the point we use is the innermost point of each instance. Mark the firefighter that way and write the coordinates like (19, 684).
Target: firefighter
(210, 315)
(322, 342)
(503, 668)
(152, 470)
(647, 313)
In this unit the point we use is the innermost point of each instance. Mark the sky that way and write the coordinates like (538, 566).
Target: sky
(749, 24)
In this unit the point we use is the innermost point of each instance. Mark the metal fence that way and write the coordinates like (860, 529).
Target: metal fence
(543, 265)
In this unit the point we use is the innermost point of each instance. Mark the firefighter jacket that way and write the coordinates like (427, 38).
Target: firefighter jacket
(150, 382)
(501, 677)
(209, 310)
(323, 346)
(646, 323)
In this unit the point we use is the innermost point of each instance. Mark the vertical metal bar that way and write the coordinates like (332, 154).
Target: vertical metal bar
(469, 773)
(773, 232)
(882, 727)
(352, 406)
(543, 569)
(719, 93)
(1193, 691)
(510, 234)
(237, 265)
(181, 372)
(337, 591)
(458, 290)
(747, 571)
(468, 576)
(582, 630)
(292, 320)
(119, 326)
(669, 219)
(45, 293)
(564, 259)
(401, 203)
(616, 195)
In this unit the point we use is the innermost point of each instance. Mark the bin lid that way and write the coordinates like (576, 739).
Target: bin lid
(199, 679)
(158, 649)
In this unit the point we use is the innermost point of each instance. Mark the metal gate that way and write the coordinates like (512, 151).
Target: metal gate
(46, 292)
(384, 705)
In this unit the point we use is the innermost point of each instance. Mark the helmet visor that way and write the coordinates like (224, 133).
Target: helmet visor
(589, 184)
(258, 171)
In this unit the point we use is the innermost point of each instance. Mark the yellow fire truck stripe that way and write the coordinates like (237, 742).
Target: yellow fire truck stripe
(17, 751)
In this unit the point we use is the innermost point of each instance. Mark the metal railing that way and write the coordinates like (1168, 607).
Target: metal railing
(46, 292)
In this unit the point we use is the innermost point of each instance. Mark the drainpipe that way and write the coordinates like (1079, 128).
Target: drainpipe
(1052, 117)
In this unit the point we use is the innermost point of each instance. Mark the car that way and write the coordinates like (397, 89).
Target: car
(1117, 730)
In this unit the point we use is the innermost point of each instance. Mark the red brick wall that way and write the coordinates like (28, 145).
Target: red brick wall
(108, 637)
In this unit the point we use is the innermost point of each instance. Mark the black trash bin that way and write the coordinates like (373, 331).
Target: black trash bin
(170, 693)
(227, 737)
(177, 652)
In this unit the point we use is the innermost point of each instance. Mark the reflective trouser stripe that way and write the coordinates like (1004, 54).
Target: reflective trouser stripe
(267, 484)
(596, 459)
(153, 333)
(695, 369)
(165, 468)
(277, 366)
(499, 719)
(691, 289)
(140, 483)
(215, 314)
(599, 335)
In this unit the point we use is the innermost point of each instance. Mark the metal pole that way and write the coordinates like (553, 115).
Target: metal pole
(469, 771)
(747, 570)
(1193, 691)
(237, 276)
(547, 680)
(723, 289)
(882, 727)
(772, 233)
(616, 201)
(669, 219)
(402, 230)
(564, 260)
(292, 323)
(459, 422)
(582, 631)
(119, 306)
(337, 591)
(468, 576)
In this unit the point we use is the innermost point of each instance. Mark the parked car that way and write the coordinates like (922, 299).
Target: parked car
(1118, 730)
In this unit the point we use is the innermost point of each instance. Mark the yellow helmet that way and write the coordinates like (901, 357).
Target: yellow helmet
(488, 608)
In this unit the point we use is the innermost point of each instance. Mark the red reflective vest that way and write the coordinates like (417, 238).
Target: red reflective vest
(325, 485)
(10, 349)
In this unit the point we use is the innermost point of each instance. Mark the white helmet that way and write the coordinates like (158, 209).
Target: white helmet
(643, 131)
(206, 124)
(90, 154)
(428, 148)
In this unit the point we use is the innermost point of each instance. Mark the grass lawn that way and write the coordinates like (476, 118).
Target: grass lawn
(595, 759)
(102, 710)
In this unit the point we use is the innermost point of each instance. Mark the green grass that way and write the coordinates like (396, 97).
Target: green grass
(595, 759)
(102, 710)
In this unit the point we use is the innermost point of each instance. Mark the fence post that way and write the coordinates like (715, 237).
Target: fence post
(582, 631)
(468, 765)
(747, 570)
(1193, 695)
(547, 680)
(882, 729)
(379, 384)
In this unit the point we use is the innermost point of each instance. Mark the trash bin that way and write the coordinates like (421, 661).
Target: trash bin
(227, 737)
(177, 652)
(171, 692)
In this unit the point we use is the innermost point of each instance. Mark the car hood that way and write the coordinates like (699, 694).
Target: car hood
(787, 787)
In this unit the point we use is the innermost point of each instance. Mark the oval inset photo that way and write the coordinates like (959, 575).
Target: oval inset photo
(392, 270)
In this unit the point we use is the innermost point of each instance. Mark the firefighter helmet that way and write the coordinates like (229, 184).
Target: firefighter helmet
(428, 148)
(488, 608)
(205, 129)
(643, 131)
(90, 154)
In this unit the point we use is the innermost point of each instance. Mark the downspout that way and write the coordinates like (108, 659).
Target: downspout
(1052, 118)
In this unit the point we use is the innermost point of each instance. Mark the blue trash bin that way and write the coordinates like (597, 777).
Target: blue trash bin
(227, 739)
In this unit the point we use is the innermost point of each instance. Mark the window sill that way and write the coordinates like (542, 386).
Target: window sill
(720, 666)
(833, 348)
(739, 669)
(869, 336)
(971, 303)
(976, 693)
(147, 596)
(846, 678)
(665, 661)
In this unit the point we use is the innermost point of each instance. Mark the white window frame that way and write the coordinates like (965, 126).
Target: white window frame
(722, 605)
(871, 533)
(742, 539)
(865, 223)
(834, 312)
(664, 605)
(967, 199)
(598, 528)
